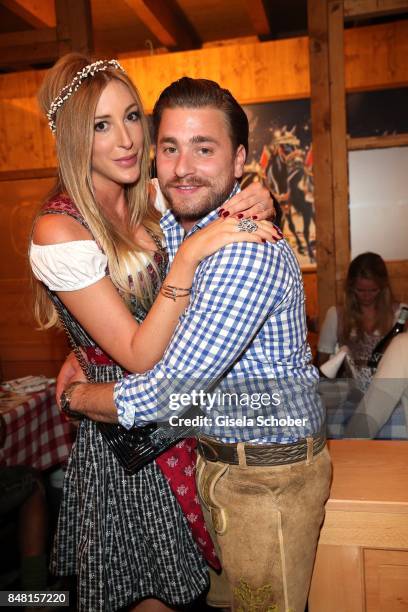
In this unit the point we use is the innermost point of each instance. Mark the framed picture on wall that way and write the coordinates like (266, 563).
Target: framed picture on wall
(280, 154)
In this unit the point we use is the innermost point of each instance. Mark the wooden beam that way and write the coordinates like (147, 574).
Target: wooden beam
(74, 26)
(370, 8)
(338, 138)
(35, 173)
(37, 13)
(29, 37)
(258, 17)
(322, 163)
(227, 42)
(19, 49)
(325, 23)
(166, 22)
(377, 142)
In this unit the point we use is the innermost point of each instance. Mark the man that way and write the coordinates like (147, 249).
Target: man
(264, 477)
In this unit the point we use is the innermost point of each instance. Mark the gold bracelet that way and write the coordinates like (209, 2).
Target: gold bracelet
(173, 292)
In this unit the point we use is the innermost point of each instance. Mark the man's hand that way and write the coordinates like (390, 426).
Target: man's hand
(93, 400)
(70, 371)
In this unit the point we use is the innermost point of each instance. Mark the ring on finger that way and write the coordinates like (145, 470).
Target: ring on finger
(246, 225)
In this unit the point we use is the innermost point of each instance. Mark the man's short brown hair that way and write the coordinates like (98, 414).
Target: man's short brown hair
(200, 93)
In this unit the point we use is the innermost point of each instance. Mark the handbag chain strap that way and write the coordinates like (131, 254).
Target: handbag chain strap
(74, 346)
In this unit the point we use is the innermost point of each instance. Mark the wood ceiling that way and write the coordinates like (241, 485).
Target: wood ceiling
(33, 33)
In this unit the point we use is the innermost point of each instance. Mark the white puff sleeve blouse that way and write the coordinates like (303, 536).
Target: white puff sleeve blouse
(68, 266)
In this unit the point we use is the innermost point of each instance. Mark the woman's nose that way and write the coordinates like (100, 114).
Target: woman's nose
(125, 137)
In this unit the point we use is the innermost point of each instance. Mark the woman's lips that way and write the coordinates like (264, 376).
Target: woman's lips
(127, 162)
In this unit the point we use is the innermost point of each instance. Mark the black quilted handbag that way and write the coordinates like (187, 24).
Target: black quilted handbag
(134, 448)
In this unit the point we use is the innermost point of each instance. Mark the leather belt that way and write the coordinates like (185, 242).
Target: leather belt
(259, 454)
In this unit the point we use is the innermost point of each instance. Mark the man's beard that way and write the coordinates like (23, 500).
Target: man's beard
(193, 210)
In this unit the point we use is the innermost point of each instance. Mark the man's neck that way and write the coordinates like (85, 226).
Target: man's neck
(187, 224)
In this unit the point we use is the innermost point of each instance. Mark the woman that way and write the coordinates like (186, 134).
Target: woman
(125, 536)
(368, 313)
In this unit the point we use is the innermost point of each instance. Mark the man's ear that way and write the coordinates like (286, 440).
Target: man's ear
(239, 162)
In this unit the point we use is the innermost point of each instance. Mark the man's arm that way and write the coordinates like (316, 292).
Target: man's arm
(95, 401)
(235, 290)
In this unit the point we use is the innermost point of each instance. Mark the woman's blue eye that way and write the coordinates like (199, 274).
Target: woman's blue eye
(100, 126)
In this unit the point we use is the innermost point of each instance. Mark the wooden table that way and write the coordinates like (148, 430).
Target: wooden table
(362, 558)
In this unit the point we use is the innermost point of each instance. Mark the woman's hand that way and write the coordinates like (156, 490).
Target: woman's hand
(254, 201)
(221, 232)
(69, 372)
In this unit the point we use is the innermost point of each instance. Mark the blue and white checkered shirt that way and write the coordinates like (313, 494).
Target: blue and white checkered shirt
(244, 332)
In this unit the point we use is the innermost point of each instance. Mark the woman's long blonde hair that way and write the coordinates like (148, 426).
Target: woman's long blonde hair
(74, 140)
(370, 266)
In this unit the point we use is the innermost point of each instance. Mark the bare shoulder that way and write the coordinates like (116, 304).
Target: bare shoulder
(54, 229)
(400, 343)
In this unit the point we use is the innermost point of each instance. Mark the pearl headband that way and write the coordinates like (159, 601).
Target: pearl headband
(68, 90)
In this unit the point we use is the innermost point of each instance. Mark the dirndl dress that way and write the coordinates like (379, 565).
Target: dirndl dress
(125, 536)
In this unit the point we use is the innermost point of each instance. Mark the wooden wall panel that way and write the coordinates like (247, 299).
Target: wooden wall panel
(386, 580)
(398, 271)
(376, 56)
(253, 72)
(25, 140)
(325, 25)
(23, 349)
(328, 593)
(277, 70)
